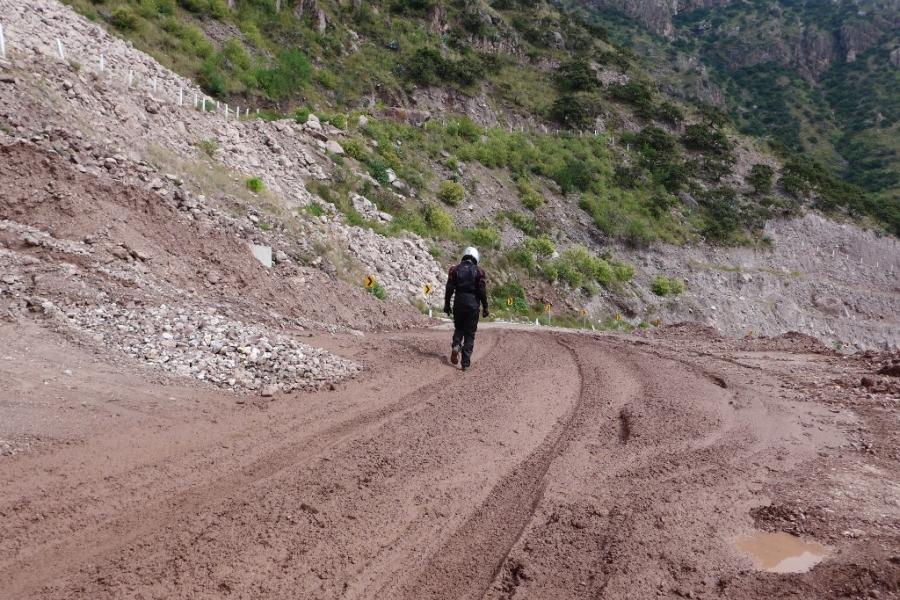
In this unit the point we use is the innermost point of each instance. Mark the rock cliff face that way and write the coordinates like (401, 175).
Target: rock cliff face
(810, 39)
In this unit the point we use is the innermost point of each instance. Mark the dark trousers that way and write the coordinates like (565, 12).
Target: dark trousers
(465, 323)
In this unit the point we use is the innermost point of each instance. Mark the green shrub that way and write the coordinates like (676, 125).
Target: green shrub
(338, 120)
(427, 67)
(635, 93)
(510, 289)
(464, 128)
(575, 76)
(578, 267)
(572, 111)
(315, 209)
(660, 286)
(124, 19)
(760, 178)
(623, 272)
(438, 219)
(208, 147)
(705, 138)
(722, 216)
(355, 148)
(301, 115)
(521, 258)
(541, 246)
(669, 113)
(255, 185)
(573, 175)
(165, 7)
(525, 223)
(531, 198)
(290, 72)
(666, 286)
(483, 236)
(451, 192)
(378, 291)
(379, 172)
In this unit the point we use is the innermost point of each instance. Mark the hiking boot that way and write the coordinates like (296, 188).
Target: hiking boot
(454, 355)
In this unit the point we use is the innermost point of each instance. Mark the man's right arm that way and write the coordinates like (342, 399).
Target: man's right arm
(448, 291)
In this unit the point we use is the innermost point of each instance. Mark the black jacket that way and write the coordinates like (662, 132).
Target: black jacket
(469, 298)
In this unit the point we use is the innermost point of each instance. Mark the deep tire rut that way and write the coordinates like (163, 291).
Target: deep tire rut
(105, 539)
(470, 562)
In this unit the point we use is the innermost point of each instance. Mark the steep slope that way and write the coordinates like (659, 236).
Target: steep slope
(586, 223)
(819, 78)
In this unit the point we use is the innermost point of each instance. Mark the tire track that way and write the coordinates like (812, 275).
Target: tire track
(57, 558)
(471, 560)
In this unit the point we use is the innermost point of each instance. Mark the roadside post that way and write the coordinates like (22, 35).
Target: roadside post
(2, 43)
(427, 289)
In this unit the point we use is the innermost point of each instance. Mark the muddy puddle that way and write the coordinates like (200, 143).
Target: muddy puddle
(781, 552)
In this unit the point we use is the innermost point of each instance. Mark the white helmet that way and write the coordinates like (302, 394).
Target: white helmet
(473, 252)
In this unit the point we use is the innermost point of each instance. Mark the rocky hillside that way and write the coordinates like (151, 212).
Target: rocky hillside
(663, 214)
(820, 78)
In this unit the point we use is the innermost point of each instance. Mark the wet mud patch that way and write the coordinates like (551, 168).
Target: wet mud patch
(780, 552)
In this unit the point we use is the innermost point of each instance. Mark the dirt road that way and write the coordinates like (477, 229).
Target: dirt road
(559, 466)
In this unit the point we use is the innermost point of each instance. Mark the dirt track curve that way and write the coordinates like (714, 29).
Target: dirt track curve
(559, 466)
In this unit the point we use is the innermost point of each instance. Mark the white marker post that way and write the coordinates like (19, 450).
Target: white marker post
(102, 63)
(2, 43)
(226, 112)
(180, 96)
(195, 100)
(154, 85)
(59, 48)
(130, 77)
(204, 103)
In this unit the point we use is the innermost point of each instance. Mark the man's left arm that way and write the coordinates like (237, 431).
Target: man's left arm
(482, 292)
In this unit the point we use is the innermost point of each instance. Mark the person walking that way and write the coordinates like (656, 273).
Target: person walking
(468, 283)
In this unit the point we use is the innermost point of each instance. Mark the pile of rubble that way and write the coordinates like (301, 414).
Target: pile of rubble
(209, 347)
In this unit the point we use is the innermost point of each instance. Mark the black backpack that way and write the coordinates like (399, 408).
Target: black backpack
(466, 276)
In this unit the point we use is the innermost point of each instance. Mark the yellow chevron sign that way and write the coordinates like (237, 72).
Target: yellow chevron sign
(369, 281)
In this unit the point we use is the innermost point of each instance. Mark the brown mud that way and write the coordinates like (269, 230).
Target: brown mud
(559, 466)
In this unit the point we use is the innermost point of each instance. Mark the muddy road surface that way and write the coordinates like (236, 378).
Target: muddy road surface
(560, 465)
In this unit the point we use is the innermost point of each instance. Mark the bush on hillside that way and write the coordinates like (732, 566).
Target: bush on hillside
(665, 286)
(124, 19)
(541, 246)
(635, 93)
(575, 76)
(573, 112)
(438, 219)
(722, 216)
(290, 72)
(255, 185)
(483, 236)
(760, 178)
(531, 198)
(669, 113)
(573, 175)
(451, 192)
(705, 138)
